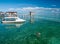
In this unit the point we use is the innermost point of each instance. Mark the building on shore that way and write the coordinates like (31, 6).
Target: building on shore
(2, 14)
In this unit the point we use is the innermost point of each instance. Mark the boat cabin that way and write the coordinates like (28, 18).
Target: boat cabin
(11, 14)
(10, 19)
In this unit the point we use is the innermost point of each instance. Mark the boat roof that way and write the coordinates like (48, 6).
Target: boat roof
(11, 12)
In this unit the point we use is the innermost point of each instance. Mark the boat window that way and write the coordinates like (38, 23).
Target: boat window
(9, 19)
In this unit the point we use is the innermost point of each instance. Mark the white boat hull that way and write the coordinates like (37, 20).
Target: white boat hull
(13, 21)
(18, 20)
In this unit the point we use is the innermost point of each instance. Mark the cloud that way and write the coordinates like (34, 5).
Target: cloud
(11, 9)
(29, 8)
(37, 9)
(24, 8)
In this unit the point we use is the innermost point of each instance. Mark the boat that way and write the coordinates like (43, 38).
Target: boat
(11, 17)
(12, 20)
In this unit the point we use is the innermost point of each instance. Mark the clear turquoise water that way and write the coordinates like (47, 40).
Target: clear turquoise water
(25, 33)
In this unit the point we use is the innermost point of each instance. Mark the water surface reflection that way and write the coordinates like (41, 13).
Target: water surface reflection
(17, 25)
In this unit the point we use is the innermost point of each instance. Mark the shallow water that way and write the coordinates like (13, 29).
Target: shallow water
(26, 33)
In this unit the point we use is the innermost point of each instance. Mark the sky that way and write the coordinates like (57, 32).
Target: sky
(9, 4)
